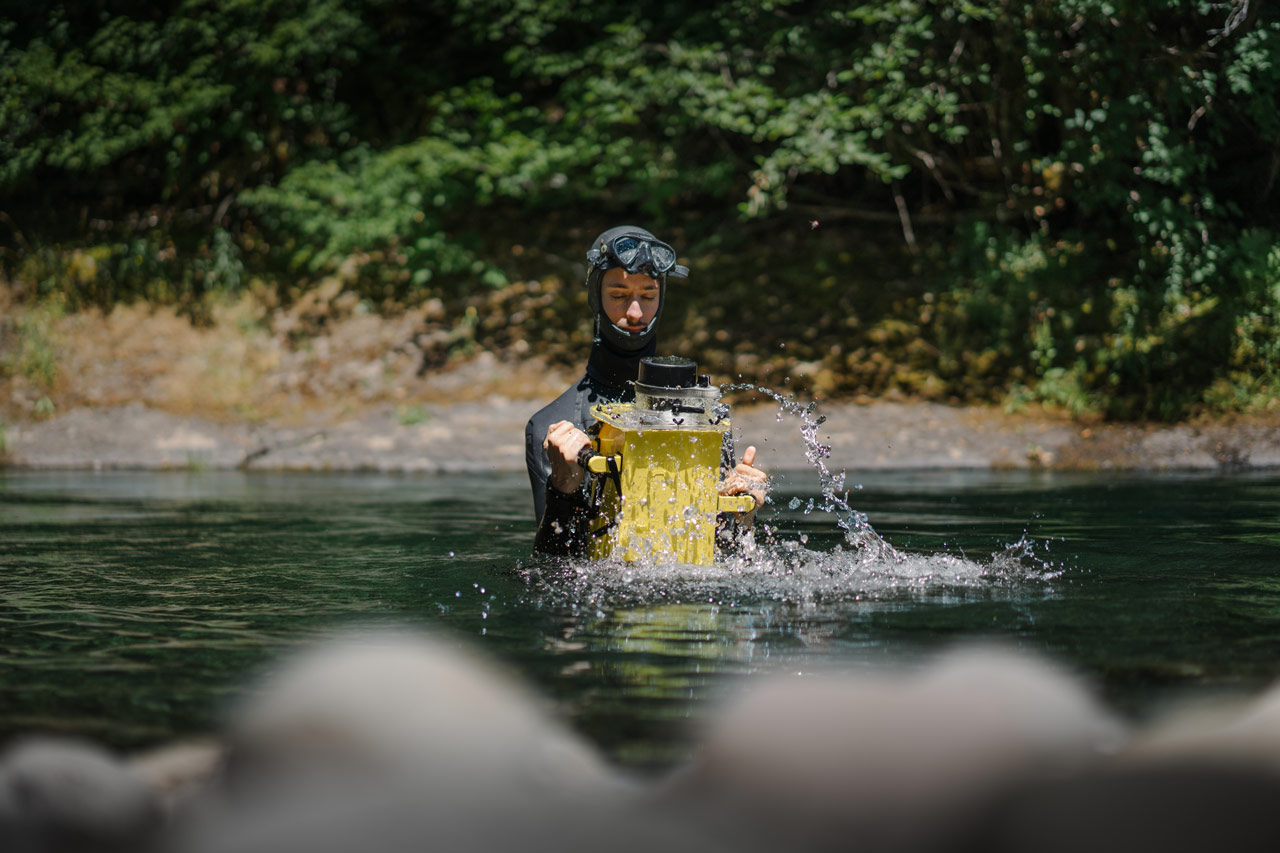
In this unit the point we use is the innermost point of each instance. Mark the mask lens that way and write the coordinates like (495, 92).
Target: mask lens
(626, 249)
(664, 258)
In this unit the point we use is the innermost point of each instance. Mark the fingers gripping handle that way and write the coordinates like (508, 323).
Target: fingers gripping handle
(588, 459)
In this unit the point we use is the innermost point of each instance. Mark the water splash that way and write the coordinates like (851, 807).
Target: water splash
(788, 572)
(869, 545)
(766, 567)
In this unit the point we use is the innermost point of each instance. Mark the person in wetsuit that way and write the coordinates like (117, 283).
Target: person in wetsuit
(627, 272)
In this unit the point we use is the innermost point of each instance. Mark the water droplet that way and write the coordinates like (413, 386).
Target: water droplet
(794, 503)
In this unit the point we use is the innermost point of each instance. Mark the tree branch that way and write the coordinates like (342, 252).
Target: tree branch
(907, 231)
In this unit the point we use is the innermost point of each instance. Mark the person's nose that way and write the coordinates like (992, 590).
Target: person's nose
(634, 312)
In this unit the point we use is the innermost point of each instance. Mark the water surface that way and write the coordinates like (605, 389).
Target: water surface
(134, 605)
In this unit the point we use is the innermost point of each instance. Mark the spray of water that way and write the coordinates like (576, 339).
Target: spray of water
(765, 567)
(858, 532)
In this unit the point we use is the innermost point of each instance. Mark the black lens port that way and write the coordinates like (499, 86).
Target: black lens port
(668, 371)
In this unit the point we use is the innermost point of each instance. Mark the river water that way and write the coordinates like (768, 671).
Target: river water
(135, 606)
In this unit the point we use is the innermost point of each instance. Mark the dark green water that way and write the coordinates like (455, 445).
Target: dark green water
(133, 606)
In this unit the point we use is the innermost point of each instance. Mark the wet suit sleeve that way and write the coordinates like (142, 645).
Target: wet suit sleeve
(562, 532)
(566, 407)
(539, 468)
(562, 519)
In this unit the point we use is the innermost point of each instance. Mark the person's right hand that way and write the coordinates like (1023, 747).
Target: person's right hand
(563, 443)
(747, 479)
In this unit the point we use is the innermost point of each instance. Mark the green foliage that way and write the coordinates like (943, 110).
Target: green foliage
(400, 200)
(1070, 202)
(34, 354)
(1251, 380)
(411, 415)
(1135, 150)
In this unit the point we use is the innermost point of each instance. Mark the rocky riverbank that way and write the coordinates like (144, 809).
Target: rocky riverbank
(321, 384)
(488, 435)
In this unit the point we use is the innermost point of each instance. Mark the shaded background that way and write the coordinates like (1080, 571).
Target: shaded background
(1071, 203)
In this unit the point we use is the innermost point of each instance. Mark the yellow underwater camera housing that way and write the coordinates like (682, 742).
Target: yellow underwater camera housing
(656, 466)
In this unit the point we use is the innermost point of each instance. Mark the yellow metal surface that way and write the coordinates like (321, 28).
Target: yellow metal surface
(737, 503)
(600, 464)
(669, 501)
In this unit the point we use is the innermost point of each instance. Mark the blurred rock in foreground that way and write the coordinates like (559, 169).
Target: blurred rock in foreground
(399, 741)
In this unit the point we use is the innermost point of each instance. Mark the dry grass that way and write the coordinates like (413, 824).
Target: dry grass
(323, 355)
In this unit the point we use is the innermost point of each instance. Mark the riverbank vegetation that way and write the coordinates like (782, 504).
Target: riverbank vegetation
(979, 200)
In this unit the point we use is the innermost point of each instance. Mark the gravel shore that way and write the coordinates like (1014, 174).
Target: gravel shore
(488, 435)
(320, 385)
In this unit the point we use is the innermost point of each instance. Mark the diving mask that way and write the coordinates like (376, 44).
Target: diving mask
(637, 253)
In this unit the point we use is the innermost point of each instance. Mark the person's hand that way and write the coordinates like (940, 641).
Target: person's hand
(746, 479)
(563, 443)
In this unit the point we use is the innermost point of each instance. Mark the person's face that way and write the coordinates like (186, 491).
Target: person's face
(630, 300)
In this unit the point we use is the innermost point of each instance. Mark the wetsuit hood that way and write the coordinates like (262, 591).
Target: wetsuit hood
(612, 339)
(615, 370)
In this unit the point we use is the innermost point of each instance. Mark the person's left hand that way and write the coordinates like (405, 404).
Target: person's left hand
(747, 479)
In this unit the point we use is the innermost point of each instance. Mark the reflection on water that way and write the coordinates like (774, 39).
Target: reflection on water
(133, 605)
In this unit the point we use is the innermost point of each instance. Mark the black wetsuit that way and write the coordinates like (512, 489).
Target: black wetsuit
(612, 369)
(562, 518)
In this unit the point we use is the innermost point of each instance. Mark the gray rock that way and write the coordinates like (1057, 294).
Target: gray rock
(58, 795)
(399, 704)
(895, 761)
(1171, 807)
(133, 436)
(1244, 734)
(489, 436)
(178, 772)
(398, 741)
